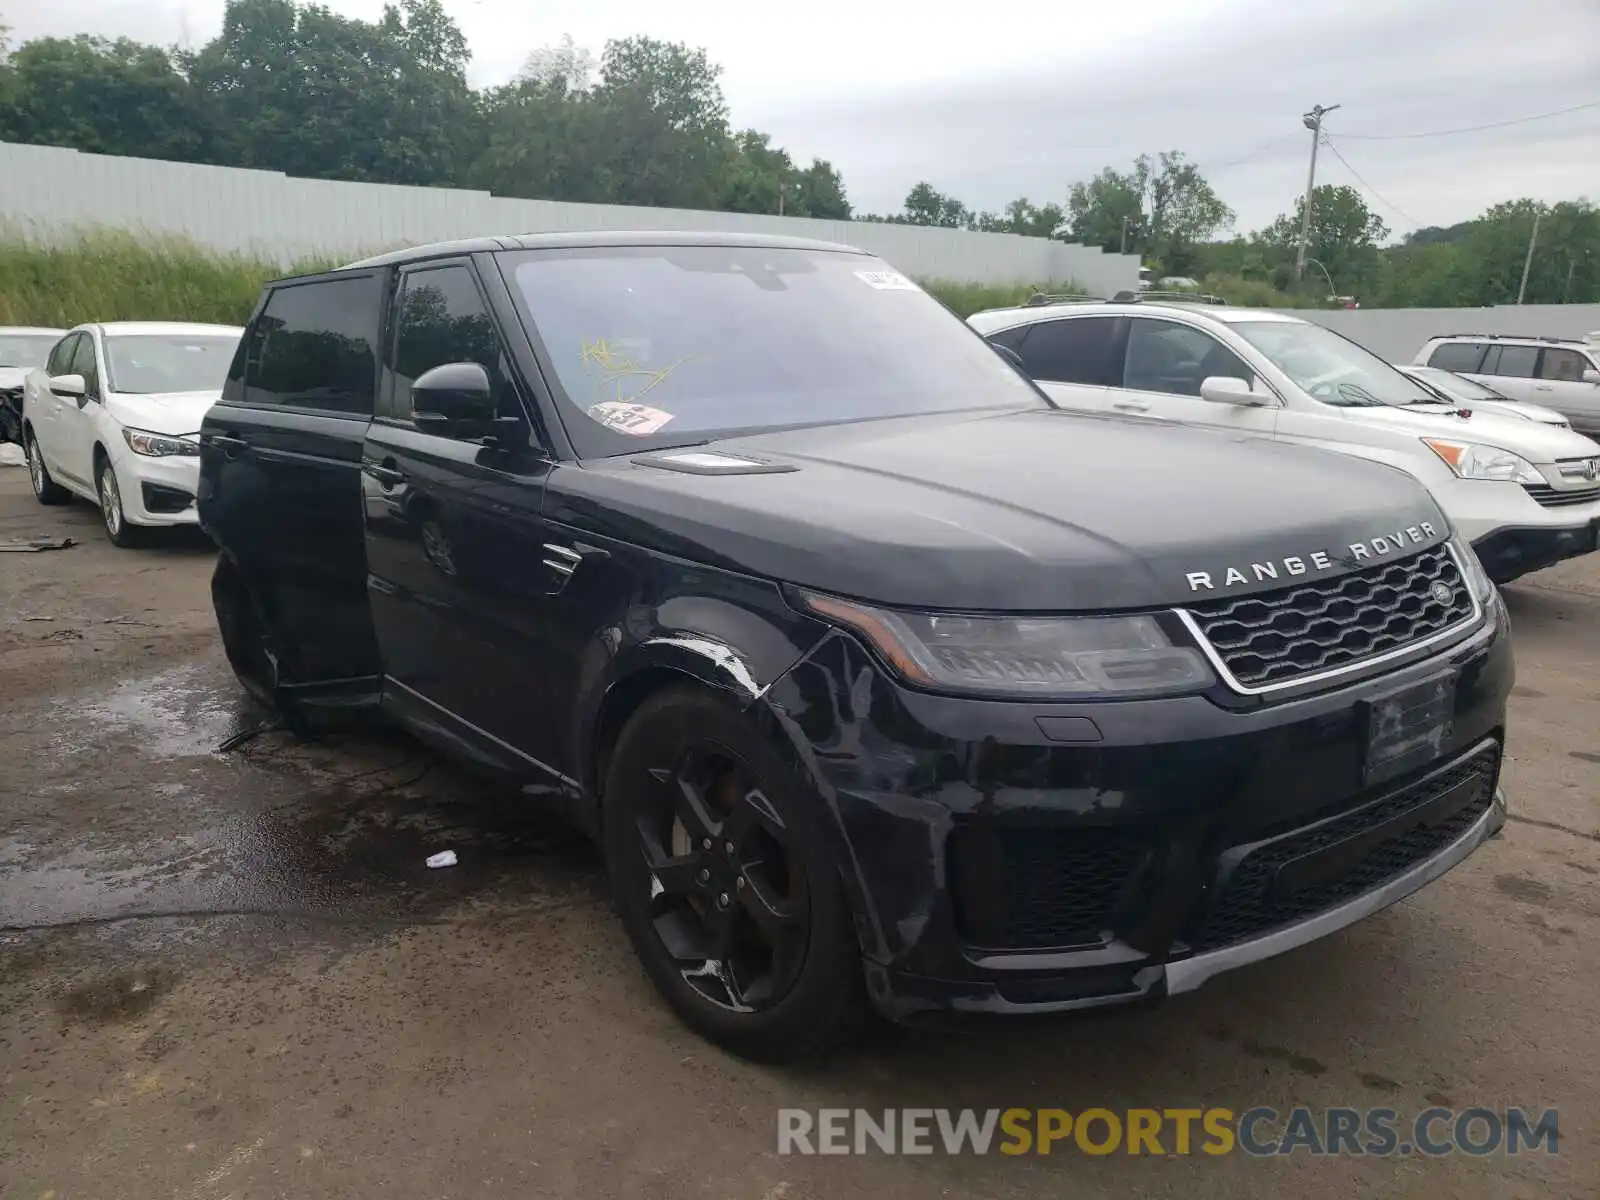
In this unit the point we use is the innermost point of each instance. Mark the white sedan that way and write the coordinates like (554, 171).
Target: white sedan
(114, 417)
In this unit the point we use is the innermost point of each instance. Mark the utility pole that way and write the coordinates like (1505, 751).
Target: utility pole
(1124, 235)
(1522, 289)
(1312, 121)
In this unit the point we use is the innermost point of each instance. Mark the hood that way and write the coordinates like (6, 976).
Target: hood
(1517, 408)
(1533, 440)
(1018, 511)
(12, 377)
(162, 412)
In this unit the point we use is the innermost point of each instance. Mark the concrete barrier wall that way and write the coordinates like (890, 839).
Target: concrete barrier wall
(50, 193)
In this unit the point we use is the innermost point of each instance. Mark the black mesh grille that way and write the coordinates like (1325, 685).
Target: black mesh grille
(1249, 905)
(1277, 636)
(1037, 888)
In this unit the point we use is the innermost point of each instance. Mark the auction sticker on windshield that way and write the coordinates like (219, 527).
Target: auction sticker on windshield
(887, 281)
(638, 419)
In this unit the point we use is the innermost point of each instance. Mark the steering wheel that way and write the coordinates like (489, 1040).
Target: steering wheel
(1322, 390)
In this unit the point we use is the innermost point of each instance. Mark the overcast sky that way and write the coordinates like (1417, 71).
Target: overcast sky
(1023, 98)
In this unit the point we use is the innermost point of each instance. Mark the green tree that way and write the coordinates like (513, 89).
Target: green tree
(1344, 238)
(761, 178)
(105, 97)
(1165, 205)
(925, 205)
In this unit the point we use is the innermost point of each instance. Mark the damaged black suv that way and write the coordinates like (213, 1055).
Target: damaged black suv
(880, 679)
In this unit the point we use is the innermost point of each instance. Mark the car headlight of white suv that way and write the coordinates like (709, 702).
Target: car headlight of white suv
(1471, 460)
(158, 445)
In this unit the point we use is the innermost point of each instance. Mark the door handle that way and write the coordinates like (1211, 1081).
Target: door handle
(231, 447)
(1131, 405)
(387, 476)
(1544, 387)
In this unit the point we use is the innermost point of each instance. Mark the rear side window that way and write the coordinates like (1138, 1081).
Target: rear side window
(1566, 365)
(1073, 350)
(1516, 362)
(1457, 356)
(312, 347)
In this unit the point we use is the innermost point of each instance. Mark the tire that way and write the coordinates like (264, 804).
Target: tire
(45, 489)
(112, 516)
(245, 640)
(791, 987)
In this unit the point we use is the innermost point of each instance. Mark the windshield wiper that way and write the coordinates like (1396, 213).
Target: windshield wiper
(1355, 392)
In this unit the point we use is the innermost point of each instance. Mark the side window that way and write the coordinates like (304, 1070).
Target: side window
(84, 363)
(311, 347)
(60, 360)
(1164, 356)
(441, 318)
(1457, 356)
(1072, 350)
(1566, 365)
(1515, 361)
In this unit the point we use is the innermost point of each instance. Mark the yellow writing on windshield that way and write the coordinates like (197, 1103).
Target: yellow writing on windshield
(618, 371)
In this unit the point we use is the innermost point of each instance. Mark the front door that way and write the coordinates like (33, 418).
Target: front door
(77, 415)
(44, 414)
(1560, 385)
(455, 539)
(1164, 366)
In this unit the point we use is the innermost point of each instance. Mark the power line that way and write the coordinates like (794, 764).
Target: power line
(1376, 194)
(1259, 150)
(1397, 137)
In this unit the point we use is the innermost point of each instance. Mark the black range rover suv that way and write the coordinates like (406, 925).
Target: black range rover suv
(879, 678)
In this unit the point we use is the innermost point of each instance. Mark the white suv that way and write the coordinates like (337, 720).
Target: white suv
(1557, 373)
(1526, 495)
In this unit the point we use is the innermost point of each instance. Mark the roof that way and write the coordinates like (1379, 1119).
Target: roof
(1005, 318)
(595, 238)
(162, 328)
(1576, 343)
(29, 331)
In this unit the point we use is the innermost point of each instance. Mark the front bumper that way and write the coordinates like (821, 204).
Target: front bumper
(158, 491)
(1509, 554)
(1013, 857)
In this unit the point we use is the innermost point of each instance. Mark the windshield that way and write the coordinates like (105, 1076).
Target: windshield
(26, 349)
(672, 345)
(1455, 385)
(1332, 368)
(145, 363)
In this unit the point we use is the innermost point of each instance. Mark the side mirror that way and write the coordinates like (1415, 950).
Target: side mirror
(453, 399)
(1591, 376)
(1227, 389)
(68, 387)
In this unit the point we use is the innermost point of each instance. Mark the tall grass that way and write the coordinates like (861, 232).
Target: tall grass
(109, 275)
(114, 276)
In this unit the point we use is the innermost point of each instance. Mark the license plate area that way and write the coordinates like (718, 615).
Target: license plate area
(1409, 728)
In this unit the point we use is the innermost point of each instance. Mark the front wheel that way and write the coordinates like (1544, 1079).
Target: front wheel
(722, 876)
(111, 513)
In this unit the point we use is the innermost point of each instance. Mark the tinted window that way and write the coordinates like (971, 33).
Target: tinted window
(1164, 356)
(661, 345)
(83, 363)
(25, 349)
(151, 363)
(60, 360)
(1010, 338)
(1074, 350)
(1517, 361)
(1457, 356)
(311, 347)
(1563, 364)
(441, 318)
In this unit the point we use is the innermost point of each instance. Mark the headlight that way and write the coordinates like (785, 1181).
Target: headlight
(157, 445)
(1470, 460)
(1477, 578)
(1044, 657)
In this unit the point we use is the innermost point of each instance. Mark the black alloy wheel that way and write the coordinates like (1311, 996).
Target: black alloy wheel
(725, 883)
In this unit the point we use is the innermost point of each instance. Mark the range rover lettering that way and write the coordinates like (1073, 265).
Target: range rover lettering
(883, 682)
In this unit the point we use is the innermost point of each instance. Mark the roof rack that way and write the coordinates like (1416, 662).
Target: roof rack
(1514, 337)
(1039, 298)
(1167, 298)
